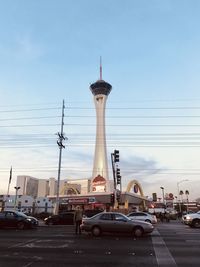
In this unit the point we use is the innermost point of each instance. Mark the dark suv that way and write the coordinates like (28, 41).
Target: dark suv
(65, 218)
(15, 219)
(90, 213)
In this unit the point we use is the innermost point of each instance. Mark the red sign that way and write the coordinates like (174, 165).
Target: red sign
(135, 188)
(99, 184)
(78, 201)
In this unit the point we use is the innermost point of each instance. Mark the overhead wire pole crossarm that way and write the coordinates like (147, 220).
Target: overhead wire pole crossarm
(61, 146)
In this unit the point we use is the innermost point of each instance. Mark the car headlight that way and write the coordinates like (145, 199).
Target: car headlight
(28, 219)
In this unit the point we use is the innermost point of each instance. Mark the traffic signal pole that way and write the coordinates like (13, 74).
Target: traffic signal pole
(113, 169)
(116, 177)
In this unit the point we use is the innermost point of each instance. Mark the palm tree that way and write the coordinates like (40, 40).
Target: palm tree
(181, 194)
(187, 194)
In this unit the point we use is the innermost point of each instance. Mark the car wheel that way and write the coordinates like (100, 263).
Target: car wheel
(96, 231)
(148, 221)
(138, 231)
(196, 223)
(20, 225)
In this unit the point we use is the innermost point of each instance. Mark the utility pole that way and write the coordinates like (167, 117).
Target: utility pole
(61, 146)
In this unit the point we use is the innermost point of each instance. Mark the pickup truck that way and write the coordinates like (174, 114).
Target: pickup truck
(192, 219)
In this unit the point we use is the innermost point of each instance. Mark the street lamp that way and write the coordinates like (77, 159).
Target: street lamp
(163, 194)
(179, 193)
(187, 199)
(16, 192)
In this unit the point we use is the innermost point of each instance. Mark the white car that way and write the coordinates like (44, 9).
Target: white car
(192, 219)
(142, 216)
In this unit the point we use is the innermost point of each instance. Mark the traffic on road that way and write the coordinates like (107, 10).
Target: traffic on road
(169, 244)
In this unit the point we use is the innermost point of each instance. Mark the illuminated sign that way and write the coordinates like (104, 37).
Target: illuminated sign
(99, 184)
(78, 201)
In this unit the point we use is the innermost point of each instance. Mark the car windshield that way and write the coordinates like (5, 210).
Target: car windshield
(19, 213)
(127, 218)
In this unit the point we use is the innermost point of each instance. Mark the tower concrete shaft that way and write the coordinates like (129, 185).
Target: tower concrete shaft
(100, 178)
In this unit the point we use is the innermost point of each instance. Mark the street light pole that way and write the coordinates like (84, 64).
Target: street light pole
(179, 200)
(16, 193)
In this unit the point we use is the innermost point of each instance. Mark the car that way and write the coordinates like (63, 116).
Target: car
(114, 222)
(65, 218)
(192, 219)
(35, 220)
(16, 219)
(142, 216)
(184, 215)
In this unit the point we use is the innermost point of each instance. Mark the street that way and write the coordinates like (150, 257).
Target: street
(171, 244)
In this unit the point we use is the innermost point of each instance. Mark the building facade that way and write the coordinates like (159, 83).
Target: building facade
(36, 187)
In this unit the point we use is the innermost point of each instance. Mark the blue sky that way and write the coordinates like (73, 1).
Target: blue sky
(50, 50)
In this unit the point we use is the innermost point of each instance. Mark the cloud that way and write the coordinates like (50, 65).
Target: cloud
(139, 166)
(144, 170)
(27, 48)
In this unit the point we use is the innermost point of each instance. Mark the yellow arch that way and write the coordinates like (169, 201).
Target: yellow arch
(69, 186)
(131, 184)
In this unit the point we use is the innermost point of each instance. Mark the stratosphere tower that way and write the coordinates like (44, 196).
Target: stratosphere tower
(100, 179)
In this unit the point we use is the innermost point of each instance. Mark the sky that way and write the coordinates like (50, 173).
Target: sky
(50, 51)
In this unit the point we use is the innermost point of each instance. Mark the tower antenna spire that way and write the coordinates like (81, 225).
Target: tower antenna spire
(100, 69)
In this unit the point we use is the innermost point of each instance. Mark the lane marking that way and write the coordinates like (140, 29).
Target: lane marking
(22, 243)
(163, 255)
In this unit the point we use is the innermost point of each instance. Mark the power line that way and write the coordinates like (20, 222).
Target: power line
(136, 117)
(137, 125)
(30, 118)
(138, 108)
(28, 125)
(23, 110)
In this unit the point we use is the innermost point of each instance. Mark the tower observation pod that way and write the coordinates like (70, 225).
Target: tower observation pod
(100, 180)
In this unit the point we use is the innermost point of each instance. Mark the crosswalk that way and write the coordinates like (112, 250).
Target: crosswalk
(182, 243)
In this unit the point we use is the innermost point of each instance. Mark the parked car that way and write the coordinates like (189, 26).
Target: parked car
(192, 219)
(65, 218)
(16, 219)
(114, 222)
(142, 216)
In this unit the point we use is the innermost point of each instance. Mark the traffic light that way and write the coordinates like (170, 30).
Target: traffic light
(19, 205)
(154, 197)
(118, 176)
(112, 198)
(118, 195)
(116, 155)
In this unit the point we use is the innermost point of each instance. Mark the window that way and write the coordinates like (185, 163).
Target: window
(10, 215)
(119, 217)
(106, 216)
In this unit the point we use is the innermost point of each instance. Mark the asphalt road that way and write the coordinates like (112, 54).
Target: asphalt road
(171, 244)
